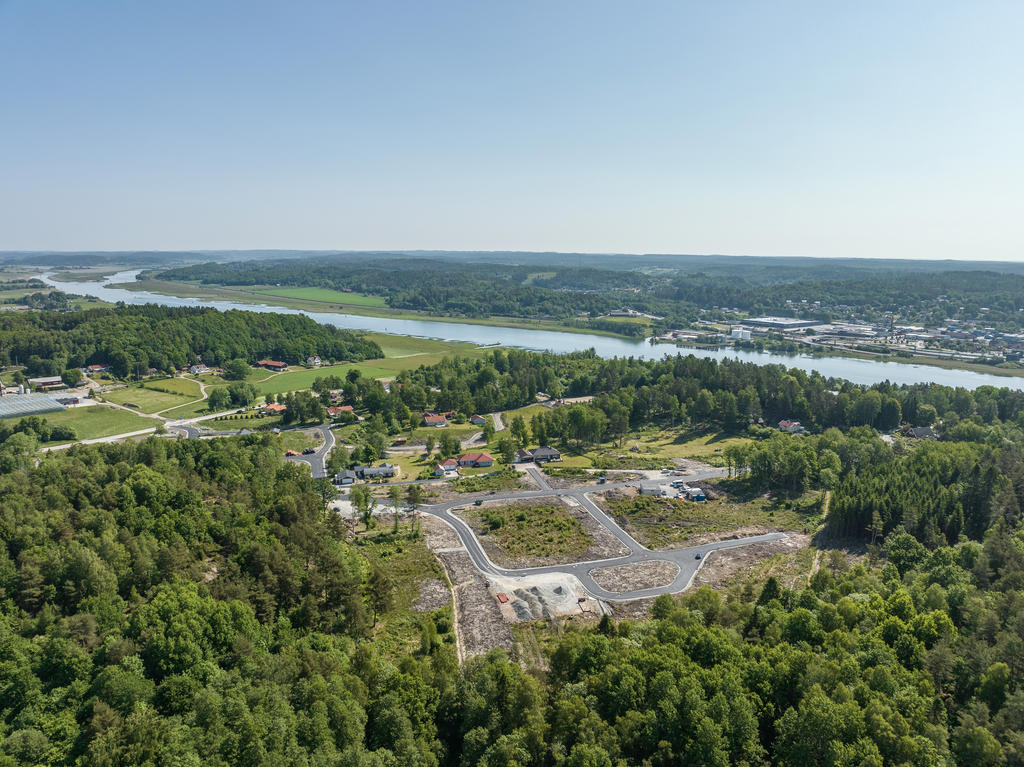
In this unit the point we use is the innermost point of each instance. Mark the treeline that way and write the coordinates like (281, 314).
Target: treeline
(135, 339)
(928, 298)
(684, 390)
(479, 289)
(191, 603)
(440, 287)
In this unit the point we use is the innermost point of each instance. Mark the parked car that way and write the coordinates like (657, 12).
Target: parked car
(309, 451)
(601, 480)
(698, 555)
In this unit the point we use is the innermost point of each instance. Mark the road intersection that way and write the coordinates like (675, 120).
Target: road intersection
(688, 559)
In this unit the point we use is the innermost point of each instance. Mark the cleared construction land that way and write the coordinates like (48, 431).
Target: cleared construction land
(637, 575)
(538, 532)
(666, 523)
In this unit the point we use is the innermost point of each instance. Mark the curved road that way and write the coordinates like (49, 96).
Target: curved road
(317, 461)
(686, 559)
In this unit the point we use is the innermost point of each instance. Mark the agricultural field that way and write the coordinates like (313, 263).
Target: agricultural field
(95, 421)
(408, 346)
(326, 295)
(665, 523)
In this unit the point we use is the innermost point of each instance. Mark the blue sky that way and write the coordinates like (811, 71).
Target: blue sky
(889, 129)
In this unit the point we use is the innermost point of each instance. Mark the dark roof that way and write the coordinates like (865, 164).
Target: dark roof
(544, 451)
(384, 470)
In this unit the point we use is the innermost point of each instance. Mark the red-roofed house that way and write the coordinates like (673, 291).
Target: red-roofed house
(449, 467)
(274, 407)
(334, 412)
(477, 420)
(273, 365)
(476, 459)
(432, 419)
(793, 427)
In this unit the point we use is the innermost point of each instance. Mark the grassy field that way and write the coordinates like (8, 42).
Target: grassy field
(506, 479)
(97, 421)
(296, 380)
(407, 346)
(673, 444)
(254, 295)
(529, 530)
(299, 439)
(186, 387)
(187, 411)
(661, 523)
(325, 295)
(150, 400)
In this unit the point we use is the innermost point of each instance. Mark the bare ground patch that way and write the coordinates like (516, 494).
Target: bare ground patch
(568, 483)
(636, 575)
(723, 567)
(438, 534)
(434, 595)
(634, 610)
(478, 621)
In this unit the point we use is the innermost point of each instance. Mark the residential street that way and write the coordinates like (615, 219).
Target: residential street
(686, 559)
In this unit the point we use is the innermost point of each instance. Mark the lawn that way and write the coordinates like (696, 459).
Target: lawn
(157, 395)
(186, 387)
(662, 523)
(530, 530)
(96, 421)
(148, 400)
(187, 411)
(326, 295)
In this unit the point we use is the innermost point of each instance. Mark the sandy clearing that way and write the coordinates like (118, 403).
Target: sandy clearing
(434, 595)
(636, 576)
(723, 566)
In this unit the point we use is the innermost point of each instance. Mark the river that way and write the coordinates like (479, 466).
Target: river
(859, 371)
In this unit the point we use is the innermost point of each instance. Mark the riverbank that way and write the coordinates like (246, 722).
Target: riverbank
(858, 371)
(260, 294)
(813, 351)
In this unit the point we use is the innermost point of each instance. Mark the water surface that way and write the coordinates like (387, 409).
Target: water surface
(859, 371)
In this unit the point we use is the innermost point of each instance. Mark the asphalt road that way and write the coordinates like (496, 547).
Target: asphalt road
(318, 459)
(687, 559)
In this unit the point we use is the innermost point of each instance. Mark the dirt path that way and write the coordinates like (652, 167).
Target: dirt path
(499, 425)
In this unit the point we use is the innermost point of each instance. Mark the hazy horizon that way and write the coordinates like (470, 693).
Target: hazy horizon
(871, 131)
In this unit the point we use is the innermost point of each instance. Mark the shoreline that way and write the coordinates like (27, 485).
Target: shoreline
(224, 293)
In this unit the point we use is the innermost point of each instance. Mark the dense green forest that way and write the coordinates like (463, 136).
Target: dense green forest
(190, 603)
(471, 290)
(486, 289)
(133, 339)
